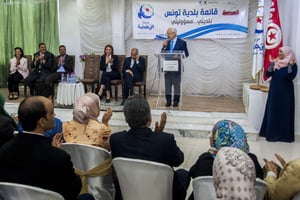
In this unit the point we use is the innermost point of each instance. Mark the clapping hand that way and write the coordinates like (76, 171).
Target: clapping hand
(57, 140)
(272, 166)
(159, 126)
(107, 115)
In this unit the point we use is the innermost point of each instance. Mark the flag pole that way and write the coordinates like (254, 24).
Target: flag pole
(256, 87)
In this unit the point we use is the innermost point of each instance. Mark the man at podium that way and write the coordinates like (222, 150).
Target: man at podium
(173, 77)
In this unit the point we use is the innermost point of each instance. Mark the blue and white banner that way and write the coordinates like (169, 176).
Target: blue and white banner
(192, 19)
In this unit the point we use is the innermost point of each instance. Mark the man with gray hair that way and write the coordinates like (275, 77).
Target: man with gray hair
(173, 77)
(140, 142)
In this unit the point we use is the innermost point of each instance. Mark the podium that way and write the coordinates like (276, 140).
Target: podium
(169, 64)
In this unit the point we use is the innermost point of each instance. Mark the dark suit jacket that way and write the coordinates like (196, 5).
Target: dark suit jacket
(48, 67)
(68, 65)
(30, 159)
(114, 66)
(180, 45)
(137, 69)
(7, 128)
(204, 165)
(143, 143)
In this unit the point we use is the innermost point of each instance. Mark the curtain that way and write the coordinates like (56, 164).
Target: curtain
(26, 23)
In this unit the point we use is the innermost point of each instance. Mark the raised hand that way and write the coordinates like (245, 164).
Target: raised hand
(280, 159)
(107, 115)
(159, 126)
(57, 140)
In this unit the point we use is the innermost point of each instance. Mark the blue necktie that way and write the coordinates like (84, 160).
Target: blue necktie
(171, 46)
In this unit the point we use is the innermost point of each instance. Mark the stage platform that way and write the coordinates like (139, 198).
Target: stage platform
(195, 119)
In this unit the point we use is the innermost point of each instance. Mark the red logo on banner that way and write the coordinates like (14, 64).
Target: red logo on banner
(274, 36)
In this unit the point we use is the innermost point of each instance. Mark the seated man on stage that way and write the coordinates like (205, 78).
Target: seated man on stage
(133, 71)
(173, 78)
(42, 66)
(140, 142)
(64, 61)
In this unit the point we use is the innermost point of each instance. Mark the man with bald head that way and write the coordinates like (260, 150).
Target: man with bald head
(172, 45)
(30, 159)
(133, 71)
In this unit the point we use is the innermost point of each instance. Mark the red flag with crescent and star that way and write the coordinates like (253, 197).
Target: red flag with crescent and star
(273, 36)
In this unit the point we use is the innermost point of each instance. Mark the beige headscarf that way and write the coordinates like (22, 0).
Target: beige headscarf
(234, 175)
(87, 107)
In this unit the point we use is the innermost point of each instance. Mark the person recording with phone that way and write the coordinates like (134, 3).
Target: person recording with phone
(173, 77)
(42, 66)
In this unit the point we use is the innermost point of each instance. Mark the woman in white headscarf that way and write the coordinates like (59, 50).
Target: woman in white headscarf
(234, 175)
(85, 127)
(279, 118)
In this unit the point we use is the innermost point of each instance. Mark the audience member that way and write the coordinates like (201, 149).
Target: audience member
(225, 133)
(109, 68)
(85, 127)
(282, 184)
(140, 142)
(57, 122)
(42, 66)
(65, 63)
(30, 159)
(7, 124)
(133, 71)
(278, 124)
(18, 71)
(234, 175)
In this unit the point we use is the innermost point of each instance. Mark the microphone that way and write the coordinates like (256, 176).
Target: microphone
(165, 46)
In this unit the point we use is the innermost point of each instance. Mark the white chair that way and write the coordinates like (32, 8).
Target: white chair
(261, 189)
(141, 179)
(15, 191)
(203, 188)
(94, 165)
(297, 196)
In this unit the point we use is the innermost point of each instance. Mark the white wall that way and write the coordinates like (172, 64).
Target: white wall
(69, 34)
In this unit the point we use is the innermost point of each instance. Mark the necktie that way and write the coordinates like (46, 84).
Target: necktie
(171, 46)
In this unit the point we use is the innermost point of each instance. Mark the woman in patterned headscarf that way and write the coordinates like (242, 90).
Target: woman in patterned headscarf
(85, 127)
(234, 175)
(7, 123)
(225, 133)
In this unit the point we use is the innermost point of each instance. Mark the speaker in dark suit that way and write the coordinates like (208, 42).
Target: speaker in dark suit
(173, 78)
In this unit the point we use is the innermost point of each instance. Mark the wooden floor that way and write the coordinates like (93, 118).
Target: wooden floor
(189, 103)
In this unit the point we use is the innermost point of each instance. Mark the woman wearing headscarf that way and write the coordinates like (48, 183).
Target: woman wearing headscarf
(18, 70)
(234, 175)
(85, 127)
(225, 133)
(279, 117)
(7, 124)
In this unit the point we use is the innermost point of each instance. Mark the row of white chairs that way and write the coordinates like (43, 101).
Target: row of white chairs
(138, 179)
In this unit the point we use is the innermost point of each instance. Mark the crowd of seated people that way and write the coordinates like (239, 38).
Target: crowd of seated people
(44, 70)
(85, 128)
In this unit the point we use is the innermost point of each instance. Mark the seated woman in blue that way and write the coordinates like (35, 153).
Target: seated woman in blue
(225, 133)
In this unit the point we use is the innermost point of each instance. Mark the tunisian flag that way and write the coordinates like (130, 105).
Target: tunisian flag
(273, 36)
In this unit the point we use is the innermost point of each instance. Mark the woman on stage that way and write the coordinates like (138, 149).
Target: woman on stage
(279, 117)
